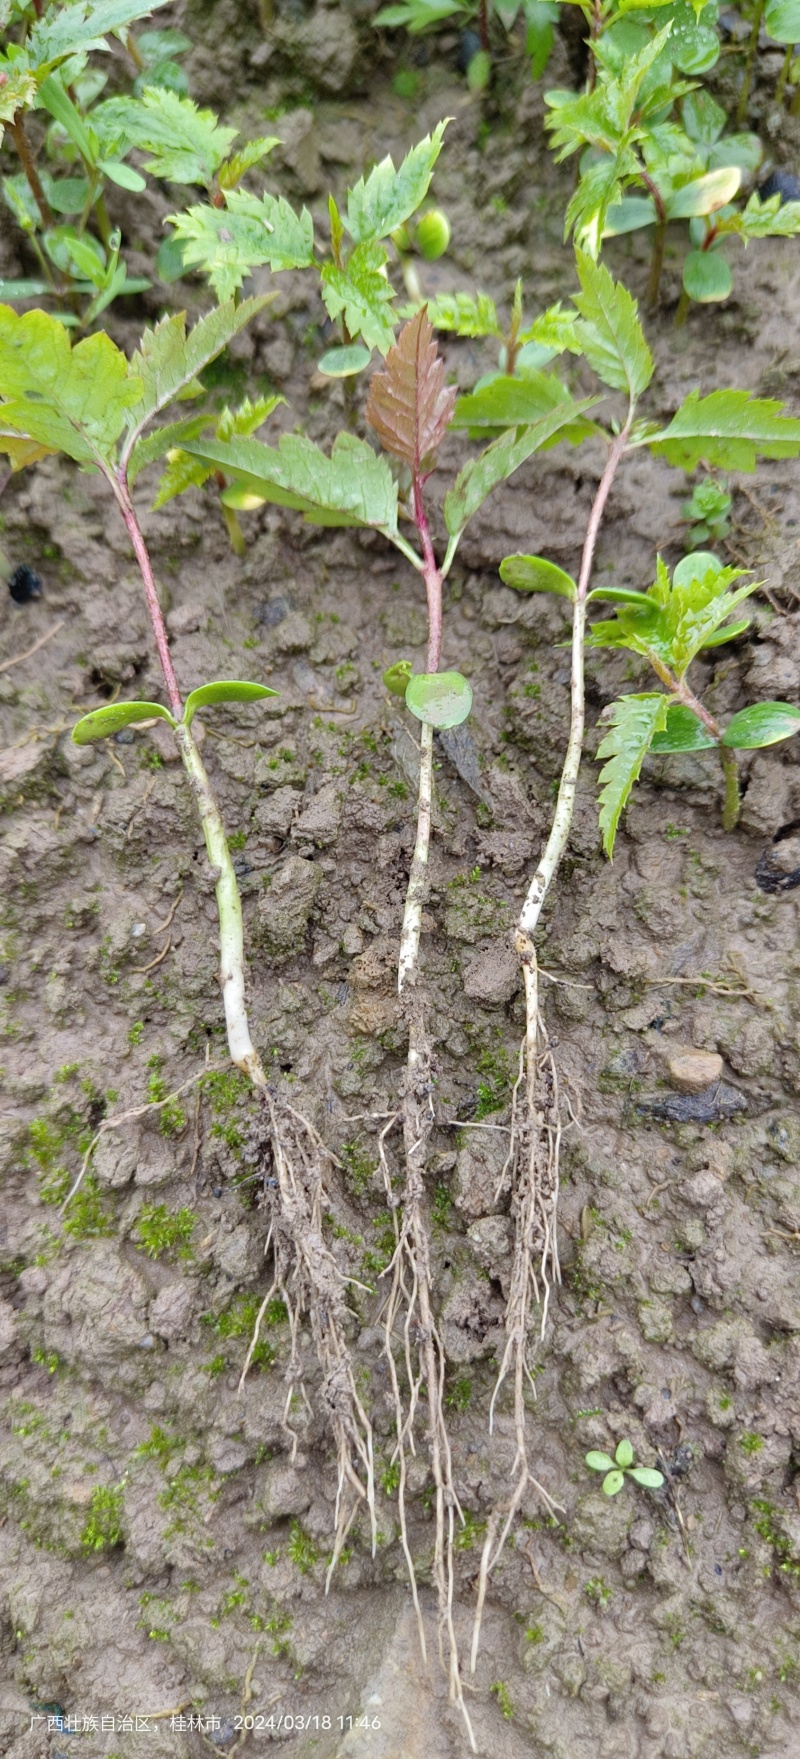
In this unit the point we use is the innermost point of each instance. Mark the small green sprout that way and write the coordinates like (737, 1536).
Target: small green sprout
(622, 1467)
(710, 509)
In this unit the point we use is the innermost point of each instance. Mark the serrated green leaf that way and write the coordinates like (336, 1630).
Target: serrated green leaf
(646, 1475)
(535, 574)
(227, 244)
(599, 1462)
(363, 293)
(502, 458)
(67, 30)
(554, 329)
(624, 1455)
(611, 335)
(352, 487)
(249, 155)
(511, 402)
(682, 732)
(464, 314)
(18, 91)
(156, 444)
(182, 472)
(343, 363)
(102, 723)
(223, 690)
(167, 360)
(684, 617)
(634, 720)
(612, 1483)
(247, 417)
(74, 400)
(707, 277)
(439, 699)
(729, 429)
(387, 197)
(765, 723)
(185, 144)
(19, 450)
(768, 219)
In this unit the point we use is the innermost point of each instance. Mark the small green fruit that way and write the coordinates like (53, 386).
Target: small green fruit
(401, 239)
(432, 235)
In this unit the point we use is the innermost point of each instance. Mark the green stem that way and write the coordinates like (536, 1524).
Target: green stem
(235, 534)
(784, 73)
(752, 47)
(682, 310)
(103, 222)
(732, 804)
(656, 263)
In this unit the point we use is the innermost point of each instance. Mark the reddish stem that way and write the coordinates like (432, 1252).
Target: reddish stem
(483, 25)
(119, 485)
(25, 156)
(432, 577)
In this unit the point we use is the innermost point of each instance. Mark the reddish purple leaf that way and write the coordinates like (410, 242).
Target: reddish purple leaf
(409, 405)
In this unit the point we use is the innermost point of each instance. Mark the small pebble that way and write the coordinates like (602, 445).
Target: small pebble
(24, 585)
(782, 183)
(694, 1071)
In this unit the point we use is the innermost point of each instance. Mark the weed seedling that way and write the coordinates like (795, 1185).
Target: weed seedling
(621, 1467)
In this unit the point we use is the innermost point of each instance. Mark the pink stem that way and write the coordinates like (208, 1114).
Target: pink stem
(598, 509)
(432, 577)
(120, 487)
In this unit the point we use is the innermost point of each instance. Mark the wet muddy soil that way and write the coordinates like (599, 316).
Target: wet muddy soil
(163, 1544)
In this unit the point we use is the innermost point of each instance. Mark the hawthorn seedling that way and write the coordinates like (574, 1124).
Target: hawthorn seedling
(670, 626)
(622, 1467)
(92, 404)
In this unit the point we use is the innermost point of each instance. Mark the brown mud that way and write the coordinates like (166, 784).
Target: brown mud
(164, 1536)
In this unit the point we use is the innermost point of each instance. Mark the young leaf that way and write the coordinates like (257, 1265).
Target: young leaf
(707, 277)
(73, 400)
(464, 315)
(227, 243)
(409, 405)
(186, 145)
(599, 1462)
(381, 202)
(646, 1475)
(613, 1482)
(621, 595)
(511, 402)
(612, 337)
(502, 458)
(224, 690)
(362, 292)
(764, 724)
(682, 732)
(535, 574)
(167, 360)
(634, 720)
(249, 155)
(624, 1455)
(352, 487)
(103, 722)
(396, 677)
(440, 699)
(156, 444)
(704, 194)
(729, 429)
(343, 363)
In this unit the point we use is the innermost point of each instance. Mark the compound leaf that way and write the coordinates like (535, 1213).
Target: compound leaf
(509, 401)
(363, 294)
(729, 429)
(227, 243)
(167, 360)
(352, 487)
(611, 335)
(382, 201)
(73, 400)
(409, 405)
(67, 30)
(634, 720)
(102, 723)
(186, 144)
(502, 458)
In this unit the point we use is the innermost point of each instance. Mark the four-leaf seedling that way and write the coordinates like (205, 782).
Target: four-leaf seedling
(622, 1467)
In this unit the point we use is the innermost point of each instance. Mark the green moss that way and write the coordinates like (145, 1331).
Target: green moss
(301, 1549)
(750, 1442)
(173, 1118)
(103, 1530)
(359, 1165)
(458, 1395)
(161, 1233)
(500, 1691)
